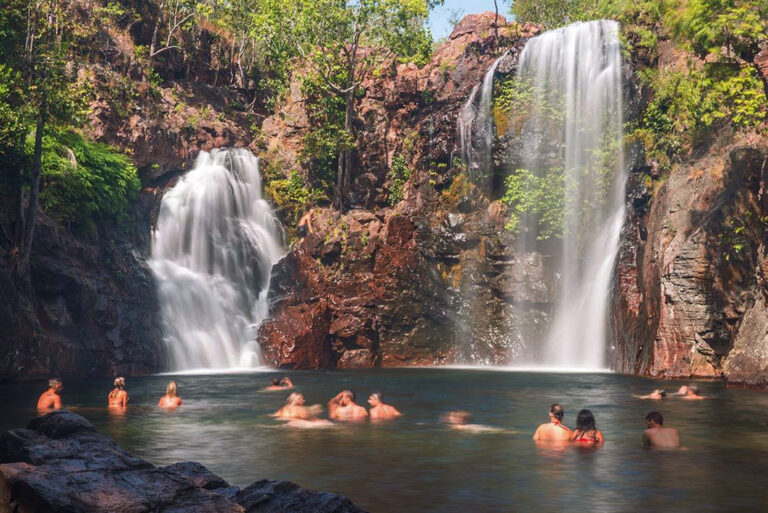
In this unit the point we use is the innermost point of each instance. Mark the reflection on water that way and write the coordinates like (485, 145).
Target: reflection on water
(416, 463)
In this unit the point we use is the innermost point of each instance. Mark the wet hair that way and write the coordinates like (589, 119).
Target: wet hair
(170, 390)
(350, 393)
(377, 395)
(655, 417)
(585, 421)
(120, 382)
(293, 399)
(557, 411)
(694, 389)
(54, 381)
(663, 393)
(275, 382)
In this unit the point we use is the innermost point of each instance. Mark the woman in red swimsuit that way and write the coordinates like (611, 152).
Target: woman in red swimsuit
(586, 431)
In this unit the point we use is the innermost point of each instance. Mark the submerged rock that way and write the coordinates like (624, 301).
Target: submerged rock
(60, 463)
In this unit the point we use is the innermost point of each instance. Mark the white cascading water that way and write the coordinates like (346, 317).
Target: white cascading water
(581, 66)
(475, 124)
(212, 254)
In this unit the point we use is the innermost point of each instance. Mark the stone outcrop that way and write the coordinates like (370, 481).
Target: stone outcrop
(430, 280)
(692, 285)
(60, 463)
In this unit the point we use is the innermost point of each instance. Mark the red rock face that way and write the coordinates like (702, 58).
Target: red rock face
(382, 285)
(691, 280)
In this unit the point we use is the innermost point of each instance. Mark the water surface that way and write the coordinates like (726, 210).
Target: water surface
(415, 464)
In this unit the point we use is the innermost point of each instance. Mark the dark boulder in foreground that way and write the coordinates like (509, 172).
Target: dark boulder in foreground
(61, 464)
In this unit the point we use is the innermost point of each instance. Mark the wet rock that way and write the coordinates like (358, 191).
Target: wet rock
(60, 463)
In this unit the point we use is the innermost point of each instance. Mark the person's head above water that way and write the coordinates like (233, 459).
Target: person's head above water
(654, 418)
(119, 382)
(556, 412)
(56, 384)
(585, 421)
(295, 399)
(374, 399)
(458, 417)
(171, 390)
(347, 397)
(275, 382)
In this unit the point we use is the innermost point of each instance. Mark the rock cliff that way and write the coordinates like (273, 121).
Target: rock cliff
(429, 280)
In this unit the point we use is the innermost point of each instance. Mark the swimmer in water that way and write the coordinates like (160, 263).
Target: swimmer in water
(586, 431)
(554, 430)
(459, 419)
(379, 410)
(343, 407)
(690, 392)
(656, 395)
(118, 397)
(284, 383)
(293, 409)
(50, 400)
(656, 435)
(171, 398)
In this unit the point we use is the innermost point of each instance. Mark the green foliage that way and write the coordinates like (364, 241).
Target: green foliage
(688, 105)
(536, 197)
(711, 26)
(398, 174)
(555, 13)
(291, 195)
(84, 180)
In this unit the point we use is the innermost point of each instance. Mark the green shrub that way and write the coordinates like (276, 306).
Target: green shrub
(83, 180)
(541, 198)
(398, 174)
(292, 196)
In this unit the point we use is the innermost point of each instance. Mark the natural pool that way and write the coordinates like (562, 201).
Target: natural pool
(415, 464)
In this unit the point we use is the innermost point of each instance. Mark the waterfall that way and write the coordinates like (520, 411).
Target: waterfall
(572, 137)
(212, 254)
(475, 123)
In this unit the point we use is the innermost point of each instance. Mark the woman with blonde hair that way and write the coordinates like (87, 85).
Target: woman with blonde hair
(118, 397)
(171, 398)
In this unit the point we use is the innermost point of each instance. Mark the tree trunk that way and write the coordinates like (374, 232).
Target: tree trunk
(158, 21)
(21, 257)
(496, 27)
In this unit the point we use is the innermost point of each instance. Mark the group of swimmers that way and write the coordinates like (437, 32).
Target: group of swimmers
(118, 397)
(343, 407)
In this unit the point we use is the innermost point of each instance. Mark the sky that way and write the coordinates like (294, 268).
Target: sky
(438, 20)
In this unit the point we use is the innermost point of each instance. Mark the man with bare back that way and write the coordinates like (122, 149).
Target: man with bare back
(51, 399)
(554, 430)
(343, 407)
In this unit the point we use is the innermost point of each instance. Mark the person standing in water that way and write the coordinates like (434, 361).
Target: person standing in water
(379, 410)
(656, 435)
(343, 407)
(586, 431)
(554, 430)
(118, 397)
(50, 400)
(171, 398)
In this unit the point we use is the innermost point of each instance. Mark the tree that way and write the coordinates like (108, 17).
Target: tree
(41, 96)
(341, 43)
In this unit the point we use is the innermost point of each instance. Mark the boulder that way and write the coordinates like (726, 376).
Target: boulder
(59, 463)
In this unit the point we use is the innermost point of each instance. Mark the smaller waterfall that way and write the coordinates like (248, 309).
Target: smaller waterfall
(212, 254)
(475, 123)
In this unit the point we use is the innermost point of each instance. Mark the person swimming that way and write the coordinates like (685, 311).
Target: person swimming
(459, 419)
(171, 398)
(50, 400)
(657, 394)
(690, 392)
(656, 435)
(118, 397)
(343, 407)
(293, 408)
(379, 410)
(283, 383)
(554, 430)
(586, 431)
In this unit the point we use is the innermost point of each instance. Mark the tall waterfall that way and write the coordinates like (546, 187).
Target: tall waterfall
(572, 136)
(212, 254)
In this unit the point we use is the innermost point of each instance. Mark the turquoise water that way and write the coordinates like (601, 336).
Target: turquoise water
(415, 464)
